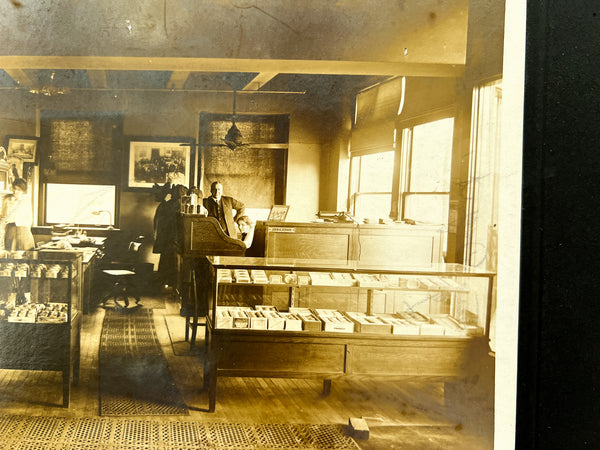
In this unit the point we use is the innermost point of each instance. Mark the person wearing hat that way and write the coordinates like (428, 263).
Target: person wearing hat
(18, 218)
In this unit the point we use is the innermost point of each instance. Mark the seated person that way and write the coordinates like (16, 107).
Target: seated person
(246, 230)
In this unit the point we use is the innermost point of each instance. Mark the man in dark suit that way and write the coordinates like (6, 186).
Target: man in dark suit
(221, 208)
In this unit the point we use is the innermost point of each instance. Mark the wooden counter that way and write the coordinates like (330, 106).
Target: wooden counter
(372, 246)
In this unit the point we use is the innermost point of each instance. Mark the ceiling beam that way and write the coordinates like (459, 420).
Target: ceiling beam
(320, 67)
(259, 81)
(97, 78)
(178, 79)
(20, 77)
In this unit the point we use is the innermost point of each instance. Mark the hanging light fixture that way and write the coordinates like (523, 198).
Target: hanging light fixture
(233, 138)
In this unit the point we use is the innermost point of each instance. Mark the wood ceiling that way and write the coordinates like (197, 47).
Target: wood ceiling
(221, 45)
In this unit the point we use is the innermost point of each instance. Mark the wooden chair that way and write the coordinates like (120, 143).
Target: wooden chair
(201, 237)
(119, 275)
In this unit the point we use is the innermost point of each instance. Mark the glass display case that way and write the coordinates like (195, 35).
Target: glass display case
(297, 319)
(40, 312)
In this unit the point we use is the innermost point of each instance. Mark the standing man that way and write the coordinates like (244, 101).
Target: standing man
(221, 208)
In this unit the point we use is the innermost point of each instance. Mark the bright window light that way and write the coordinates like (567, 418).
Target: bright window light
(80, 204)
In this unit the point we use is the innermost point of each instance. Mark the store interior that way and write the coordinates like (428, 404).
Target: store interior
(368, 150)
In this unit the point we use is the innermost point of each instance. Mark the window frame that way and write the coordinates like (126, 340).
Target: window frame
(402, 148)
(44, 198)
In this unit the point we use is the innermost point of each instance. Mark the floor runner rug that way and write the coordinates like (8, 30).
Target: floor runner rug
(134, 377)
(104, 433)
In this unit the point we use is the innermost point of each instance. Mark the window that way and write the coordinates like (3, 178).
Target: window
(87, 204)
(371, 181)
(426, 172)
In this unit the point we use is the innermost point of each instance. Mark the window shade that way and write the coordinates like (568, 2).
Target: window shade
(376, 111)
(83, 147)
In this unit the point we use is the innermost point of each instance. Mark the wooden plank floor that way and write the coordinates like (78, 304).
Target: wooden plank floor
(398, 411)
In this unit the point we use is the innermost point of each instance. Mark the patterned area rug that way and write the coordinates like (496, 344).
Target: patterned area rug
(104, 433)
(133, 372)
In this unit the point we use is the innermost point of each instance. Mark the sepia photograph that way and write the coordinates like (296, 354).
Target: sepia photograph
(159, 162)
(261, 224)
(21, 147)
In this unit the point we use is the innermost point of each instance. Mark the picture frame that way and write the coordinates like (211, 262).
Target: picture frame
(278, 213)
(22, 148)
(157, 160)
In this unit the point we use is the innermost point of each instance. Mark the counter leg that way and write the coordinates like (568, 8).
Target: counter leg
(326, 387)
(66, 385)
(212, 389)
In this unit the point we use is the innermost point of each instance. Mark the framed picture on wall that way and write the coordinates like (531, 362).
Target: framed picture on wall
(23, 148)
(159, 160)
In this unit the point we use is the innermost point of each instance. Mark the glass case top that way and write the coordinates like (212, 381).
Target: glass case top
(341, 265)
(47, 256)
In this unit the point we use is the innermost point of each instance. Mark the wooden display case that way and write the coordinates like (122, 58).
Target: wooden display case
(417, 303)
(40, 309)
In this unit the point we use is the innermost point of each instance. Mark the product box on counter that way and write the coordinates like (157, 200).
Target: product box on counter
(321, 279)
(24, 313)
(241, 276)
(369, 324)
(223, 318)
(310, 322)
(426, 325)
(53, 313)
(400, 326)
(240, 318)
(259, 276)
(224, 276)
(368, 280)
(343, 279)
(258, 321)
(334, 320)
(293, 322)
(451, 326)
(265, 308)
(275, 321)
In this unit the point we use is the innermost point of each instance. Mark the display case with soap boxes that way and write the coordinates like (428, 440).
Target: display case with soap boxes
(319, 319)
(447, 300)
(40, 312)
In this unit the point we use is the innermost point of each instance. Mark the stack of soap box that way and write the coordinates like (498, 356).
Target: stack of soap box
(6, 269)
(232, 317)
(259, 276)
(224, 276)
(426, 326)
(369, 324)
(275, 321)
(310, 322)
(321, 279)
(343, 279)
(241, 276)
(293, 322)
(451, 326)
(401, 326)
(21, 270)
(53, 313)
(24, 313)
(52, 271)
(368, 280)
(258, 321)
(334, 320)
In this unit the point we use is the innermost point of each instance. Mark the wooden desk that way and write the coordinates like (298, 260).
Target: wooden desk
(201, 237)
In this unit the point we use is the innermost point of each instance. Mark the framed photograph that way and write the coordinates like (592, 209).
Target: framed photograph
(160, 160)
(278, 213)
(23, 148)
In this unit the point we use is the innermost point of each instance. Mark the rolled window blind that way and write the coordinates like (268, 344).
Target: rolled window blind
(373, 130)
